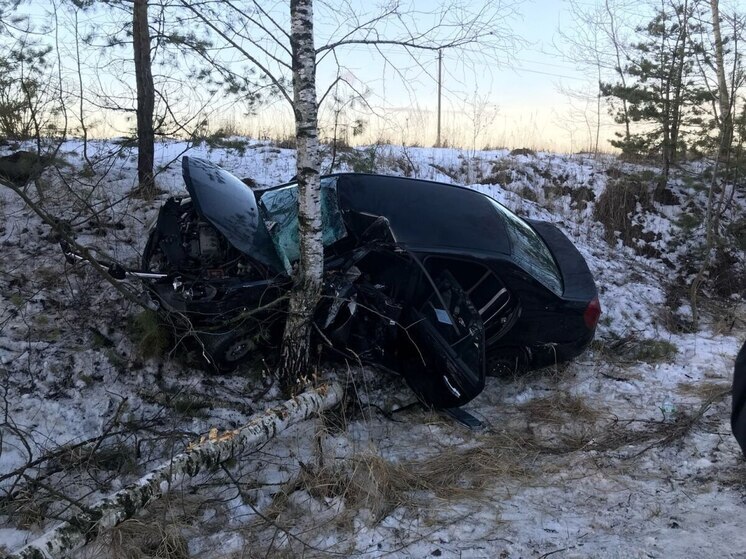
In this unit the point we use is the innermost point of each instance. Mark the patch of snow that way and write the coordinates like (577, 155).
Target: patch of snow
(586, 469)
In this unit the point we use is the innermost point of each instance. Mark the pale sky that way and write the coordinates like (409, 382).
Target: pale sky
(514, 105)
(486, 100)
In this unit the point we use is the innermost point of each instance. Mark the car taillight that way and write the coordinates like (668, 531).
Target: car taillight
(592, 313)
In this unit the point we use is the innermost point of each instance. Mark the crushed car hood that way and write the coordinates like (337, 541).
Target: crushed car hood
(230, 206)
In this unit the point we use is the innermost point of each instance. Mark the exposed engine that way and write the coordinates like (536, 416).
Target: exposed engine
(205, 245)
(206, 251)
(185, 244)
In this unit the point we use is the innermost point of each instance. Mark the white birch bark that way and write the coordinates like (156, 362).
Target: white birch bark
(307, 280)
(214, 449)
(726, 119)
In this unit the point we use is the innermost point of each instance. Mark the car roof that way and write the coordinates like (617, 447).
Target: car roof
(427, 214)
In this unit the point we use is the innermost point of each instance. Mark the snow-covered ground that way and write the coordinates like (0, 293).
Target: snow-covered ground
(626, 452)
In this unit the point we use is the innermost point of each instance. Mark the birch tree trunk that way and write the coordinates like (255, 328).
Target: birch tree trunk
(208, 453)
(294, 355)
(618, 56)
(145, 98)
(726, 118)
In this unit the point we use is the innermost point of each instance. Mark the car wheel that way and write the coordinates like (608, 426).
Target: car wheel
(227, 350)
(509, 362)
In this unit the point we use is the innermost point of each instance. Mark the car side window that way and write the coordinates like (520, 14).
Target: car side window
(530, 252)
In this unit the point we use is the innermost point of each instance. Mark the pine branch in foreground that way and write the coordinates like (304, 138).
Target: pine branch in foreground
(209, 452)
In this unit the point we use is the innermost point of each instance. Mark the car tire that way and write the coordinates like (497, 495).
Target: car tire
(227, 350)
(509, 362)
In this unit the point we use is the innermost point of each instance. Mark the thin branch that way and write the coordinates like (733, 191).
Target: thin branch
(240, 49)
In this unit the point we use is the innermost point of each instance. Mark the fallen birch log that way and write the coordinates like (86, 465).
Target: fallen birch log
(209, 452)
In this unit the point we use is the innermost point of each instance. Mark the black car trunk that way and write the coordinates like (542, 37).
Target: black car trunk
(576, 277)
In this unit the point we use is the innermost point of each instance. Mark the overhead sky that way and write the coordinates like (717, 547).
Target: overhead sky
(511, 99)
(515, 101)
(516, 96)
(531, 107)
(528, 93)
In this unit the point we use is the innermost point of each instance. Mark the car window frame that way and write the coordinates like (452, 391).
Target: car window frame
(513, 224)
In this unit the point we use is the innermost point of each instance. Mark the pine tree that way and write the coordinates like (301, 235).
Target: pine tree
(662, 92)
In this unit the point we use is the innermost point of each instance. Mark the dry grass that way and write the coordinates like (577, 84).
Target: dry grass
(370, 488)
(655, 434)
(160, 533)
(459, 473)
(631, 349)
(136, 539)
(332, 494)
(28, 508)
(564, 424)
(338, 494)
(706, 391)
(370, 481)
(560, 407)
(452, 474)
(118, 456)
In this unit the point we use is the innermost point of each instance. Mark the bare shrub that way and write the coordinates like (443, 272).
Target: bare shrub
(502, 173)
(617, 204)
(287, 142)
(527, 152)
(452, 174)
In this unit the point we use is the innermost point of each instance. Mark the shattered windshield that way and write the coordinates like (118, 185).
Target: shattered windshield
(280, 212)
(530, 251)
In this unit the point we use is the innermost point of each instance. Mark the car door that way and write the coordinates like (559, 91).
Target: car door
(447, 347)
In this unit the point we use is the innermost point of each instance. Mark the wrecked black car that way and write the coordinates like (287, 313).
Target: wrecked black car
(437, 282)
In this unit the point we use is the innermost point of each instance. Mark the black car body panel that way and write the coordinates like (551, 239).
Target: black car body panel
(448, 333)
(425, 214)
(438, 282)
(738, 405)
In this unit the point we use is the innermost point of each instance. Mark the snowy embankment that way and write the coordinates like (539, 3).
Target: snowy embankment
(625, 452)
